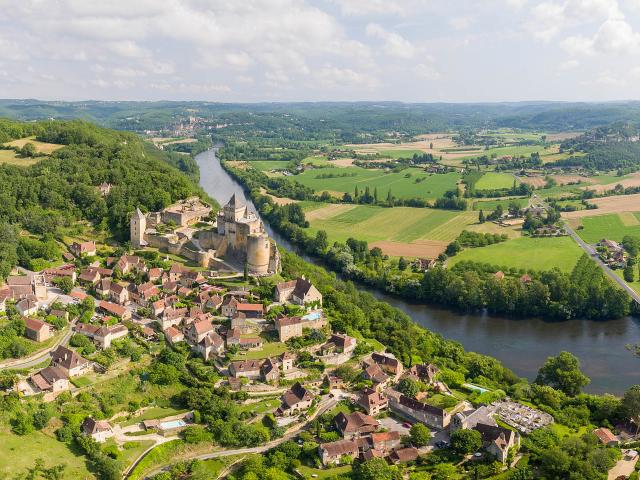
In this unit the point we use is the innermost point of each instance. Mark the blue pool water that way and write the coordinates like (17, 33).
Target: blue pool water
(312, 316)
(172, 424)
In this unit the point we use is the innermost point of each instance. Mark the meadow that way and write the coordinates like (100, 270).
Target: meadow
(409, 183)
(613, 226)
(490, 205)
(10, 157)
(526, 253)
(41, 147)
(495, 181)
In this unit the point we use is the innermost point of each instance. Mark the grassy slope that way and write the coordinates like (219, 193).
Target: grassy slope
(495, 181)
(527, 253)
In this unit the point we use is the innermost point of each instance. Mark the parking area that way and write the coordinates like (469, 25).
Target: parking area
(394, 425)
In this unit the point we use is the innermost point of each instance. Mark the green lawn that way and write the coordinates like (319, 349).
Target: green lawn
(262, 406)
(316, 473)
(409, 183)
(526, 253)
(495, 181)
(606, 226)
(81, 382)
(20, 452)
(398, 224)
(151, 414)
(272, 349)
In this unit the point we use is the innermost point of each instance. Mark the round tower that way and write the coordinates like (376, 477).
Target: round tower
(258, 253)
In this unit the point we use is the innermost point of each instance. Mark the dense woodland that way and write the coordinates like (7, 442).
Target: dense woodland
(61, 189)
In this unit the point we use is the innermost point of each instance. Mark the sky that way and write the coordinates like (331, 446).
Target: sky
(318, 50)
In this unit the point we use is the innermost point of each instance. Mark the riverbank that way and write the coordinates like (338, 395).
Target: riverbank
(521, 345)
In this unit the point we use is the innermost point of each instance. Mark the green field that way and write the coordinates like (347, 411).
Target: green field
(409, 183)
(398, 224)
(495, 181)
(317, 473)
(268, 165)
(490, 205)
(526, 253)
(20, 452)
(608, 226)
(514, 150)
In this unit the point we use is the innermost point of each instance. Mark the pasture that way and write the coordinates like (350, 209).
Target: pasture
(490, 205)
(613, 226)
(409, 183)
(398, 231)
(495, 181)
(526, 253)
(11, 158)
(612, 204)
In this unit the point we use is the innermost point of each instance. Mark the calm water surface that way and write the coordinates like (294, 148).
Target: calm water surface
(521, 345)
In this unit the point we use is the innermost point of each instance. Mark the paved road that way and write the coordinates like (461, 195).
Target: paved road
(592, 253)
(39, 357)
(328, 405)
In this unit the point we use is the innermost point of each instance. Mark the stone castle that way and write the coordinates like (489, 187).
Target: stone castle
(185, 228)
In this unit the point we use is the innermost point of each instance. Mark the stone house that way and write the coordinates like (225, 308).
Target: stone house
(245, 368)
(79, 249)
(373, 401)
(37, 330)
(355, 424)
(299, 291)
(99, 430)
(288, 327)
(118, 293)
(415, 410)
(211, 345)
(173, 335)
(27, 305)
(114, 309)
(389, 364)
(69, 362)
(498, 440)
(339, 343)
(295, 400)
(50, 379)
(196, 331)
(332, 453)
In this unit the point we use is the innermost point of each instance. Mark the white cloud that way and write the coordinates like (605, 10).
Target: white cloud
(461, 23)
(394, 44)
(427, 71)
(371, 7)
(570, 64)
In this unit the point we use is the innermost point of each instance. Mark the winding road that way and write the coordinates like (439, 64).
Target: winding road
(322, 408)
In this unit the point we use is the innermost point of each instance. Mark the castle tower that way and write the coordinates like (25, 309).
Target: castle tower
(258, 253)
(234, 210)
(137, 227)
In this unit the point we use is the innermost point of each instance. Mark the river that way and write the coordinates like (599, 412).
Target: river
(522, 345)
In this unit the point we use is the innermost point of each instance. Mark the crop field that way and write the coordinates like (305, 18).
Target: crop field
(409, 183)
(526, 253)
(613, 226)
(395, 154)
(612, 204)
(397, 231)
(495, 181)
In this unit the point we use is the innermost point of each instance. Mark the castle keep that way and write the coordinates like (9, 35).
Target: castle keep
(237, 235)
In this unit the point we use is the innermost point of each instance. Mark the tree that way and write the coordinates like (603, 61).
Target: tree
(631, 403)
(466, 441)
(28, 150)
(628, 273)
(64, 283)
(389, 199)
(245, 274)
(481, 218)
(453, 248)
(444, 471)
(563, 373)
(402, 264)
(420, 434)
(409, 387)
(376, 469)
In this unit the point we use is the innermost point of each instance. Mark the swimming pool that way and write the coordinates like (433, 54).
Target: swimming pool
(170, 425)
(312, 316)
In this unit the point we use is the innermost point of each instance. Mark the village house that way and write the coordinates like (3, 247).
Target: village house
(228, 308)
(269, 371)
(498, 440)
(606, 437)
(130, 264)
(385, 441)
(211, 345)
(103, 287)
(286, 361)
(196, 331)
(64, 271)
(89, 277)
(415, 410)
(157, 307)
(245, 368)
(250, 310)
(299, 291)
(333, 382)
(333, 453)
(114, 309)
(98, 430)
(50, 379)
(80, 249)
(172, 316)
(154, 274)
(339, 343)
(355, 424)
(27, 306)
(295, 400)
(403, 455)
(104, 188)
(102, 336)
(145, 293)
(425, 373)
(173, 335)
(375, 373)
(61, 314)
(373, 401)
(37, 330)
(69, 362)
(389, 364)
(288, 327)
(118, 293)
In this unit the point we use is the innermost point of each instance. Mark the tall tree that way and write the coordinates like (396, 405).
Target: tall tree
(563, 373)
